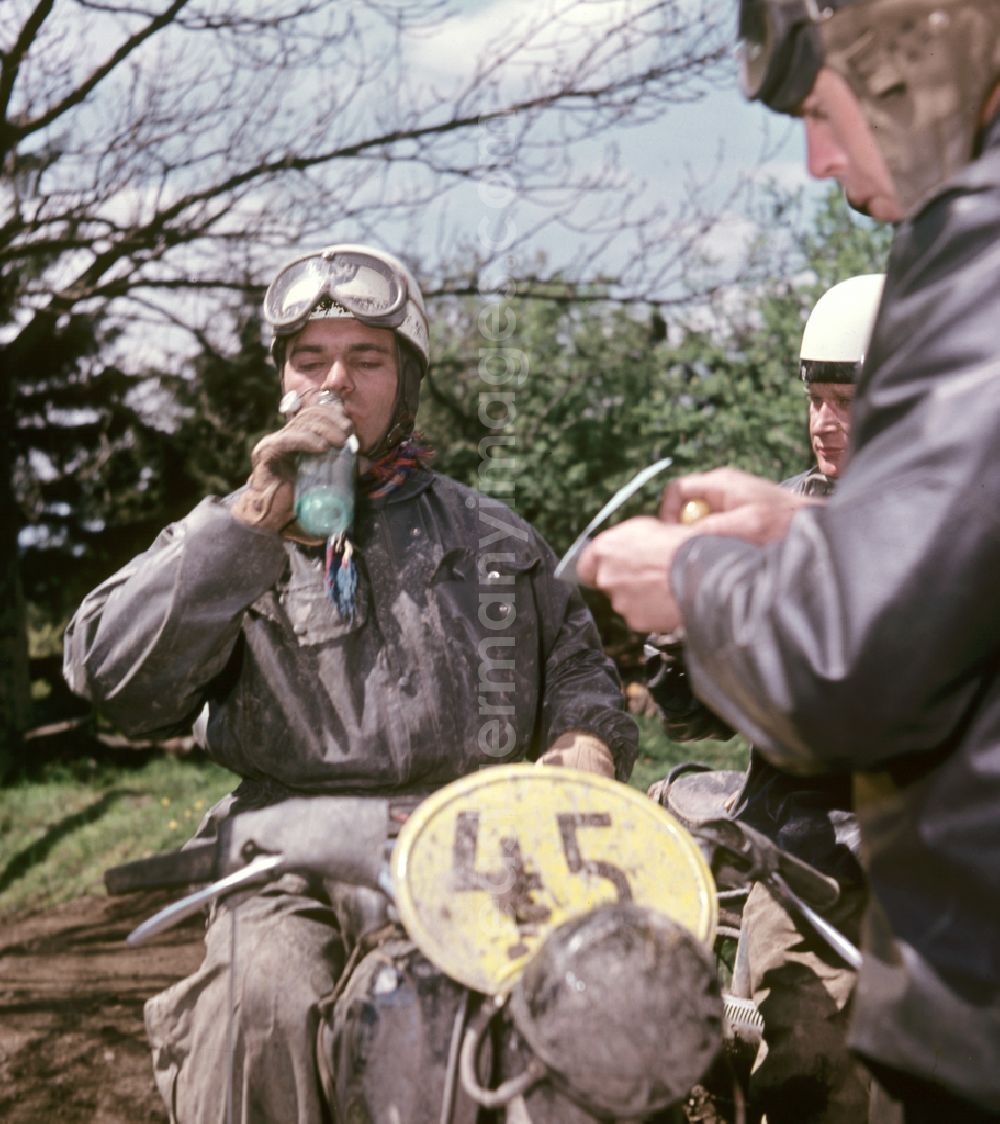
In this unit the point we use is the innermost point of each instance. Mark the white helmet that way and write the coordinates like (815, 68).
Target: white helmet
(839, 327)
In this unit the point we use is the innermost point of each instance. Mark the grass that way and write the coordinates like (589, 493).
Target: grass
(658, 754)
(61, 829)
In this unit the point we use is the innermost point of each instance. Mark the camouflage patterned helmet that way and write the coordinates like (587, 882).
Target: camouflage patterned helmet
(920, 69)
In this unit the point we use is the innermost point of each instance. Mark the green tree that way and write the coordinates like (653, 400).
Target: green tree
(552, 405)
(838, 243)
(190, 142)
(105, 459)
(228, 398)
(102, 472)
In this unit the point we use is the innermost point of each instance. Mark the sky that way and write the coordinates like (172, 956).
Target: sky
(717, 140)
(726, 137)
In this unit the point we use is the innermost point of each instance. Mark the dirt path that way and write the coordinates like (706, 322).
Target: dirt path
(72, 1045)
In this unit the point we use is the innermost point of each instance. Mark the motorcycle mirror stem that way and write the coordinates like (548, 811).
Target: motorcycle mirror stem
(264, 868)
(261, 869)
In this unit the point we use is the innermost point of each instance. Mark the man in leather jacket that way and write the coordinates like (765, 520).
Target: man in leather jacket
(864, 634)
(803, 1073)
(424, 640)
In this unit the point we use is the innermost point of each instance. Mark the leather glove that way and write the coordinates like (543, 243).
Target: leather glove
(657, 791)
(268, 501)
(576, 750)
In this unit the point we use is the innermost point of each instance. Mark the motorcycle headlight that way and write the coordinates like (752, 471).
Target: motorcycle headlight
(622, 1006)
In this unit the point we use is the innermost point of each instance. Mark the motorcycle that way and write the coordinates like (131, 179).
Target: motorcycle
(529, 945)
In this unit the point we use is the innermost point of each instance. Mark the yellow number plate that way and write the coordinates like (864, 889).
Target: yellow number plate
(487, 866)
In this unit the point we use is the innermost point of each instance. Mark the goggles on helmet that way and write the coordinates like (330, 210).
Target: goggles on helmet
(363, 285)
(779, 50)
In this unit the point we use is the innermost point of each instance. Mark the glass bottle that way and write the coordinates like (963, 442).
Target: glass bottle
(324, 486)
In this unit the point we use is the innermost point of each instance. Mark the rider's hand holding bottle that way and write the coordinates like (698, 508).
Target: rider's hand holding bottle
(307, 450)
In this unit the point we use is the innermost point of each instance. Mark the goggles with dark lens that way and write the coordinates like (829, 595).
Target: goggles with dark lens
(780, 51)
(364, 286)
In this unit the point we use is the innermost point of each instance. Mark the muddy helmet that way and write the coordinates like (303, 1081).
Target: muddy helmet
(920, 69)
(661, 1015)
(836, 335)
(353, 281)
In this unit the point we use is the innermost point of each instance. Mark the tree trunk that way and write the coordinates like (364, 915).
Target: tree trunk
(15, 683)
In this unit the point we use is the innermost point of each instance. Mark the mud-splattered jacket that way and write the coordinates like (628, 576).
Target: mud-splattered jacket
(464, 650)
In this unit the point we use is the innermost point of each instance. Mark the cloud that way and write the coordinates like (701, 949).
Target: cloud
(478, 30)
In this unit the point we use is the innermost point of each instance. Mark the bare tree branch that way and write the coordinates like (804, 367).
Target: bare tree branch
(211, 134)
(13, 58)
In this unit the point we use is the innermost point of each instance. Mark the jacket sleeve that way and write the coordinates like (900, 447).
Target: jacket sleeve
(145, 645)
(867, 633)
(580, 689)
(685, 718)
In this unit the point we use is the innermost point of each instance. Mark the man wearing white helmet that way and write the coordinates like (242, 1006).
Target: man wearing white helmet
(803, 1073)
(863, 634)
(350, 663)
(833, 349)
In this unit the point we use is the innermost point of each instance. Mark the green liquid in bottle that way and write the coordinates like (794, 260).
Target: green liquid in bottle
(322, 511)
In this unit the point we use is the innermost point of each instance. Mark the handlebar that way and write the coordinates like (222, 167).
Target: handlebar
(343, 838)
(348, 839)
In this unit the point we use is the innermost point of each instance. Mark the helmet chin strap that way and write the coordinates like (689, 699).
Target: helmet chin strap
(404, 407)
(395, 435)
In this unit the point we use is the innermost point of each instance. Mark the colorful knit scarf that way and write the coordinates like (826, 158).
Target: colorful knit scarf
(391, 470)
(382, 477)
